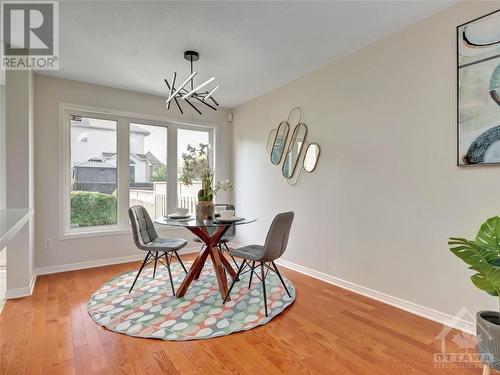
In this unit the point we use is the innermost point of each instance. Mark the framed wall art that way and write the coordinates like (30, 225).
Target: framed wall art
(478, 74)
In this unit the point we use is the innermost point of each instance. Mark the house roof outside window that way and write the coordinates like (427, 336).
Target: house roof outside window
(105, 125)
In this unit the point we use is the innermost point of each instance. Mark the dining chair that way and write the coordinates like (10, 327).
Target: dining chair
(228, 236)
(146, 238)
(264, 256)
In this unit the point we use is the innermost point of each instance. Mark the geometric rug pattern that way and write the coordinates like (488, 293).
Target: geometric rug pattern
(151, 311)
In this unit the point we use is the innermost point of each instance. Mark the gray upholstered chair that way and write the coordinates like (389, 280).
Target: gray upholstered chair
(146, 238)
(228, 236)
(274, 247)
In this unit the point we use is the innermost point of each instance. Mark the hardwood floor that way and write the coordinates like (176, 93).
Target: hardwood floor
(327, 330)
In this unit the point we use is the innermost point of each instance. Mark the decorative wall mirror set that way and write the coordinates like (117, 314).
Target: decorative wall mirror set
(279, 142)
(291, 152)
(311, 157)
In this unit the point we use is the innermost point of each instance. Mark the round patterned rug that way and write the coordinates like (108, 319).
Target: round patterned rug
(151, 311)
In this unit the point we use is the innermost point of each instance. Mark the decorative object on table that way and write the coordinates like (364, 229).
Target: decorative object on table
(264, 256)
(180, 213)
(483, 257)
(146, 238)
(180, 93)
(196, 166)
(205, 210)
(478, 61)
(293, 152)
(226, 214)
(150, 311)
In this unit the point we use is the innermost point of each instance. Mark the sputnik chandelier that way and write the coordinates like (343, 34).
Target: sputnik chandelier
(181, 93)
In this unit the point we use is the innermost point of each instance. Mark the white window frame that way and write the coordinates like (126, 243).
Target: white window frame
(123, 120)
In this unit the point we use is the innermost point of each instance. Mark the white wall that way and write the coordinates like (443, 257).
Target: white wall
(49, 92)
(19, 184)
(2, 147)
(386, 194)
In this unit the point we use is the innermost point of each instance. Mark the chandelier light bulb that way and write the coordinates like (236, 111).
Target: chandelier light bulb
(211, 92)
(197, 88)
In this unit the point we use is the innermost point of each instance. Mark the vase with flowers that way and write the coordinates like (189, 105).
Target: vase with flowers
(196, 167)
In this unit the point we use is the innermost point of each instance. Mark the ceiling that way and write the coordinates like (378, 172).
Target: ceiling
(251, 47)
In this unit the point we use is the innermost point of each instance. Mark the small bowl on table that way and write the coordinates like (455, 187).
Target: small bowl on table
(226, 214)
(181, 211)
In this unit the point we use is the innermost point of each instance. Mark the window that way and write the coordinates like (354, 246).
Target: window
(148, 151)
(131, 173)
(113, 161)
(187, 196)
(93, 197)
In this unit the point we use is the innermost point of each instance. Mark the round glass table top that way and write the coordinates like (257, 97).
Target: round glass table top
(193, 222)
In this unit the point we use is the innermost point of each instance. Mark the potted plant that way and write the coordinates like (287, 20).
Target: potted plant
(196, 167)
(483, 256)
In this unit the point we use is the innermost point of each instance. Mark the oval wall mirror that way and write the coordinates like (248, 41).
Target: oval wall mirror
(311, 157)
(270, 140)
(279, 142)
(294, 149)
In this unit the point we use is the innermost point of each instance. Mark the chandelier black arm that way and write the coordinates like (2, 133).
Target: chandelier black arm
(208, 105)
(215, 101)
(191, 104)
(178, 105)
(168, 104)
(173, 88)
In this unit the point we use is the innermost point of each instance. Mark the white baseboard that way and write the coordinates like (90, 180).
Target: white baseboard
(425, 312)
(89, 264)
(28, 290)
(100, 263)
(22, 292)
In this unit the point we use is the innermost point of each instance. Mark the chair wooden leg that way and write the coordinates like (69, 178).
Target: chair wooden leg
(263, 285)
(170, 274)
(140, 269)
(486, 370)
(251, 274)
(282, 282)
(234, 281)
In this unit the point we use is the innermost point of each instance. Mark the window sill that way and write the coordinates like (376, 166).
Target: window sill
(109, 232)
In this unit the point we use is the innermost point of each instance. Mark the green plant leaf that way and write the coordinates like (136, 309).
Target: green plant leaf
(489, 233)
(482, 255)
(471, 253)
(488, 284)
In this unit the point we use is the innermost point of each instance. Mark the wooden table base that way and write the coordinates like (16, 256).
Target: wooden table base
(219, 261)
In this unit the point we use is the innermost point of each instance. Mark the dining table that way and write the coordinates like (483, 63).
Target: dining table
(210, 232)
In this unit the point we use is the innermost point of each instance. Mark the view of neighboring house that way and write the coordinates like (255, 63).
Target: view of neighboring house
(95, 168)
